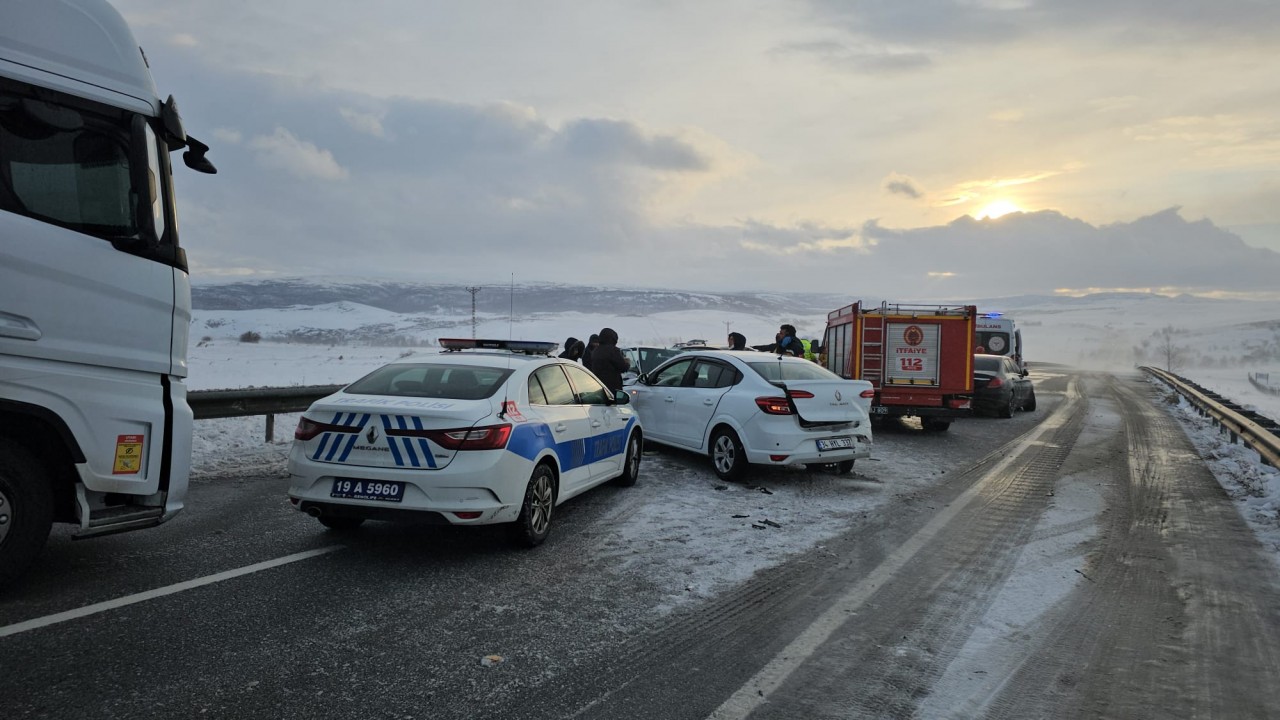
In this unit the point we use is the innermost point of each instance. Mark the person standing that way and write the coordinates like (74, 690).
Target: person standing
(573, 348)
(788, 343)
(593, 342)
(607, 361)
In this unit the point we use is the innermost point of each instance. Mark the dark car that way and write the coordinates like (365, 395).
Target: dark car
(645, 358)
(1000, 387)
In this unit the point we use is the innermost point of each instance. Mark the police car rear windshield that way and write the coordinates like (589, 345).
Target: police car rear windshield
(435, 380)
(775, 370)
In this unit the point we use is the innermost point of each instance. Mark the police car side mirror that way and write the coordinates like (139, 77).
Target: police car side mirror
(621, 397)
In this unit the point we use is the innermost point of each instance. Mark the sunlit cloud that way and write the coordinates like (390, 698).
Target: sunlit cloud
(227, 136)
(936, 274)
(902, 185)
(862, 57)
(282, 151)
(1007, 116)
(366, 123)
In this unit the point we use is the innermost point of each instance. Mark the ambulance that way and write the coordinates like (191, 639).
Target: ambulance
(998, 335)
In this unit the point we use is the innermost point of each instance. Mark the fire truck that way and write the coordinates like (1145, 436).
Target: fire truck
(998, 335)
(919, 358)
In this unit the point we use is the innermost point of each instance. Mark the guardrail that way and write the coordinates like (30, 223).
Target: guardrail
(207, 404)
(1262, 381)
(1255, 430)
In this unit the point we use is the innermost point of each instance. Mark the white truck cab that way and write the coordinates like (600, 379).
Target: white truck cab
(95, 302)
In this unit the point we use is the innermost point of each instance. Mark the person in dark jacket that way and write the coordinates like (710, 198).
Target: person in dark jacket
(573, 348)
(592, 343)
(608, 362)
(788, 343)
(737, 341)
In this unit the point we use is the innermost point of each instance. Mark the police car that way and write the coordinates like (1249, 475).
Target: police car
(487, 431)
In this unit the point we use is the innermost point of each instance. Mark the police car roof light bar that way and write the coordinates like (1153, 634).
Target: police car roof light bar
(527, 347)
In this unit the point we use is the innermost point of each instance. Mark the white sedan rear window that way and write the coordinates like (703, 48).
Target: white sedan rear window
(435, 380)
(782, 370)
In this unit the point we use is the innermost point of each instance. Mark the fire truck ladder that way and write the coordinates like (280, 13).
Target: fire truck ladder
(873, 349)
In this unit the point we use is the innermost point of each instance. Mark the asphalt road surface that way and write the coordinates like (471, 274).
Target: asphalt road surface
(1079, 561)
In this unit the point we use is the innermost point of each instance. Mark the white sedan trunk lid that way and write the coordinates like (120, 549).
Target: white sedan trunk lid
(830, 400)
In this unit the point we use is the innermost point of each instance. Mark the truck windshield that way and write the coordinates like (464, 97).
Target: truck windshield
(76, 164)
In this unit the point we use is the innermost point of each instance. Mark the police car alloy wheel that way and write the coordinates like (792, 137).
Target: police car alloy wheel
(534, 523)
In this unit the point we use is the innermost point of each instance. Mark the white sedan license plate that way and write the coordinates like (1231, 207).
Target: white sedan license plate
(835, 443)
(354, 489)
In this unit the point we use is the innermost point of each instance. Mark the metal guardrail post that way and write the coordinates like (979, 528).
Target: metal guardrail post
(210, 404)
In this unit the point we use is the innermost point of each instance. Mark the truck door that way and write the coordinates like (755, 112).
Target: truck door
(95, 305)
(912, 354)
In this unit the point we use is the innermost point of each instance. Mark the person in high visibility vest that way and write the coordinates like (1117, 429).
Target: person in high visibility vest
(808, 350)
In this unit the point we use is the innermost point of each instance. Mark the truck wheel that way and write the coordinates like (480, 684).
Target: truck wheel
(934, 424)
(26, 510)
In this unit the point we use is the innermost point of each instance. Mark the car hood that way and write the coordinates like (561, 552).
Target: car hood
(376, 431)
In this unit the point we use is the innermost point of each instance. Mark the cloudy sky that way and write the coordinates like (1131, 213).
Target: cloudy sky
(922, 149)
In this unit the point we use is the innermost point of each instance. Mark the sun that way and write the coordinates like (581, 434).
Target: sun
(997, 209)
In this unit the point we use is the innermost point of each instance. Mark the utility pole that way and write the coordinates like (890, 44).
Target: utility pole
(727, 324)
(473, 291)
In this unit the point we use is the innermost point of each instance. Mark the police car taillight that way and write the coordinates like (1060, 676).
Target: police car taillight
(489, 437)
(308, 429)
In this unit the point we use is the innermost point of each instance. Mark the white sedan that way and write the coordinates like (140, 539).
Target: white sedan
(489, 431)
(745, 407)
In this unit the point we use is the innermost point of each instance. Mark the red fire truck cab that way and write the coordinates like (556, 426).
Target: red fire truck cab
(919, 358)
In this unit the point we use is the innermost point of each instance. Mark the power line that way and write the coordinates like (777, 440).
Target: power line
(473, 291)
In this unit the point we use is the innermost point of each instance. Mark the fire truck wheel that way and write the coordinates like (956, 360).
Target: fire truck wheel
(26, 510)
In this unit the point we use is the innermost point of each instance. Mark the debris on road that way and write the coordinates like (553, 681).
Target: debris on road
(492, 660)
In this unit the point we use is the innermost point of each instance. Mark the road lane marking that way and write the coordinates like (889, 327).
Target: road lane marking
(96, 608)
(756, 691)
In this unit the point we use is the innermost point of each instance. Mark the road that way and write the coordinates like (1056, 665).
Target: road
(1079, 561)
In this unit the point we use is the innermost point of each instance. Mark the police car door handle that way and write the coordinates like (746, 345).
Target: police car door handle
(595, 423)
(560, 427)
(669, 399)
(708, 402)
